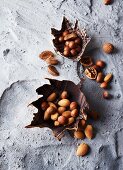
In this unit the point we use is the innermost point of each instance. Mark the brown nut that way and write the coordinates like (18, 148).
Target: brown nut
(46, 54)
(52, 97)
(104, 85)
(66, 48)
(73, 52)
(52, 61)
(107, 2)
(94, 115)
(70, 36)
(66, 53)
(74, 113)
(82, 149)
(108, 77)
(100, 77)
(89, 131)
(64, 103)
(65, 33)
(61, 109)
(91, 73)
(53, 71)
(73, 105)
(70, 120)
(106, 95)
(66, 114)
(108, 48)
(83, 123)
(77, 41)
(44, 105)
(97, 68)
(50, 110)
(56, 123)
(64, 95)
(54, 116)
(79, 134)
(100, 63)
(67, 43)
(62, 120)
(72, 44)
(61, 39)
(52, 104)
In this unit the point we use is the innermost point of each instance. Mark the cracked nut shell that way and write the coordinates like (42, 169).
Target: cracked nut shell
(91, 73)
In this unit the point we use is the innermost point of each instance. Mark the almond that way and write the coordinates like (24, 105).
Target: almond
(62, 120)
(61, 109)
(52, 61)
(82, 149)
(108, 77)
(44, 105)
(100, 63)
(54, 116)
(107, 2)
(52, 104)
(64, 95)
(56, 123)
(89, 131)
(52, 97)
(70, 120)
(46, 54)
(66, 114)
(70, 36)
(73, 105)
(53, 71)
(50, 110)
(64, 103)
(79, 134)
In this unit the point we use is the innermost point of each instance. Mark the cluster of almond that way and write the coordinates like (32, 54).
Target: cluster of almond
(71, 43)
(95, 71)
(50, 59)
(62, 112)
(60, 109)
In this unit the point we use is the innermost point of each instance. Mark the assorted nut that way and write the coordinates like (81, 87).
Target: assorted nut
(82, 149)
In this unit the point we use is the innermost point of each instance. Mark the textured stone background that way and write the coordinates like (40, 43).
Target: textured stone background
(24, 33)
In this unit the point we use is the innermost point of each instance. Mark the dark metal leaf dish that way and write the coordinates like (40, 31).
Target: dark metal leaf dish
(70, 41)
(57, 87)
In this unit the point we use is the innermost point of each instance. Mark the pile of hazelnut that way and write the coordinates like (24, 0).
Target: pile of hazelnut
(71, 42)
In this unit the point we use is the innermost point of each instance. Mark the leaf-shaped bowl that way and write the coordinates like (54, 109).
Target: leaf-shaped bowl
(58, 86)
(81, 33)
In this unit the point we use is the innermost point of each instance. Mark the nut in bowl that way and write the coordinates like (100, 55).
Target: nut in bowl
(70, 41)
(61, 108)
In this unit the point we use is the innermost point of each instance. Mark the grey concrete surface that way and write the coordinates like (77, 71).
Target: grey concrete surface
(24, 33)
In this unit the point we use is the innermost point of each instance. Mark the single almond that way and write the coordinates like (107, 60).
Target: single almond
(89, 131)
(61, 109)
(50, 110)
(64, 95)
(108, 77)
(70, 36)
(44, 105)
(66, 114)
(100, 77)
(70, 120)
(54, 116)
(82, 149)
(64, 103)
(52, 97)
(46, 54)
(79, 134)
(53, 71)
(52, 61)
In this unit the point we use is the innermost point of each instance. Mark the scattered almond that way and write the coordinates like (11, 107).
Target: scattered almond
(100, 77)
(82, 149)
(79, 134)
(64, 103)
(108, 77)
(53, 71)
(89, 131)
(66, 114)
(100, 63)
(104, 85)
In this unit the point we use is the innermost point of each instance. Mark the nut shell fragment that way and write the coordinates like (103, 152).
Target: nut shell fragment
(86, 61)
(91, 73)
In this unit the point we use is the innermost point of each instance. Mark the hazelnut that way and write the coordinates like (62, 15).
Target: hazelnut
(77, 41)
(100, 77)
(54, 116)
(61, 109)
(73, 52)
(65, 33)
(106, 95)
(64, 95)
(79, 134)
(44, 105)
(108, 48)
(62, 120)
(66, 48)
(66, 53)
(70, 120)
(107, 2)
(61, 39)
(89, 131)
(100, 63)
(73, 105)
(74, 113)
(72, 44)
(104, 85)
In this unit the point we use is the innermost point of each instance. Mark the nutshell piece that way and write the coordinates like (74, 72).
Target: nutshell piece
(53, 71)
(104, 85)
(91, 73)
(86, 61)
(79, 134)
(46, 54)
(108, 48)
